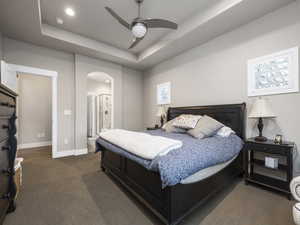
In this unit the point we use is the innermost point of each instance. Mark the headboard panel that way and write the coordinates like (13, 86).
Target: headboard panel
(232, 115)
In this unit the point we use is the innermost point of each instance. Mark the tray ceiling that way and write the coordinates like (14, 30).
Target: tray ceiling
(93, 21)
(93, 32)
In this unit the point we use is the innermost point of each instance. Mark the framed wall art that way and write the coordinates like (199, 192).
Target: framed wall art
(164, 93)
(274, 74)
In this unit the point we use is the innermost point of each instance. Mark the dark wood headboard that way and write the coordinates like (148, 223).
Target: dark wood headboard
(232, 115)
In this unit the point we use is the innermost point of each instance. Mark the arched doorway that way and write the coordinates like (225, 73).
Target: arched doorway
(99, 105)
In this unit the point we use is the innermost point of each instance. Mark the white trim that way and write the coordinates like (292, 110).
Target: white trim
(75, 152)
(34, 145)
(81, 151)
(53, 75)
(112, 117)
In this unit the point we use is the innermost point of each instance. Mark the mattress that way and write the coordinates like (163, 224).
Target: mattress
(206, 173)
(179, 164)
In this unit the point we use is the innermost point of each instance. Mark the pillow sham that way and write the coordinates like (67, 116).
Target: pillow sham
(225, 132)
(205, 127)
(169, 128)
(186, 121)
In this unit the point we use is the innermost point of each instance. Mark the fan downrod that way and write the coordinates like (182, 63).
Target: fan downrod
(139, 1)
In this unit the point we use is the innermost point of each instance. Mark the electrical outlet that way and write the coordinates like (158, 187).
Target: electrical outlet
(66, 141)
(42, 134)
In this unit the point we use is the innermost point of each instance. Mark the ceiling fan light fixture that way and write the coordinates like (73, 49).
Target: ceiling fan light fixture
(139, 30)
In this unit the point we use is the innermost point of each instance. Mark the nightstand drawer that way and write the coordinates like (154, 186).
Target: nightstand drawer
(273, 149)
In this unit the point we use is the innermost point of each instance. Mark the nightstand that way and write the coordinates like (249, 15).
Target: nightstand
(153, 128)
(257, 172)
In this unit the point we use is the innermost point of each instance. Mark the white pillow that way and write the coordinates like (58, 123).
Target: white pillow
(169, 128)
(225, 132)
(186, 121)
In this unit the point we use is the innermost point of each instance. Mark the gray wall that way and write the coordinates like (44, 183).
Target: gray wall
(34, 109)
(216, 72)
(132, 99)
(72, 95)
(83, 66)
(127, 84)
(22, 53)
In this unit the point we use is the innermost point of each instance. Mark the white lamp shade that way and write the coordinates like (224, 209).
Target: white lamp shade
(139, 30)
(261, 108)
(160, 111)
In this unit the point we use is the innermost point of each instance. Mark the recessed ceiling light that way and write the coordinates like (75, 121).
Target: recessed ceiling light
(107, 81)
(59, 20)
(70, 12)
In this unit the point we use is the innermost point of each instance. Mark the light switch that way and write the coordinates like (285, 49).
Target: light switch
(67, 112)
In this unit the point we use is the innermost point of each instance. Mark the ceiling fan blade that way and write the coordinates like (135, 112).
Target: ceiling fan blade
(160, 23)
(117, 17)
(135, 42)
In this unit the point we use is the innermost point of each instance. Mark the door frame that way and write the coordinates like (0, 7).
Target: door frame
(53, 75)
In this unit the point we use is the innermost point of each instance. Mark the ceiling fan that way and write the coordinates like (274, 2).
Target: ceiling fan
(140, 26)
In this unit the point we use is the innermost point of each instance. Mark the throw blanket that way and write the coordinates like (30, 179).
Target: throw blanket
(141, 144)
(193, 156)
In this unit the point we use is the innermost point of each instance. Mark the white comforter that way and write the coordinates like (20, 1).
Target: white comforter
(141, 144)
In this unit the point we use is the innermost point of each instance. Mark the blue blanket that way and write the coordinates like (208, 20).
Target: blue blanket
(193, 156)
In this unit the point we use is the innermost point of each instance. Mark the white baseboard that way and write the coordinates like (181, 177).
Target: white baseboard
(67, 153)
(34, 145)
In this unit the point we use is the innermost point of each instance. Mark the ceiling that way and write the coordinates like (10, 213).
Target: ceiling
(93, 32)
(102, 26)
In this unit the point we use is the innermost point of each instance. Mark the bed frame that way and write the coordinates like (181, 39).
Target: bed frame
(172, 204)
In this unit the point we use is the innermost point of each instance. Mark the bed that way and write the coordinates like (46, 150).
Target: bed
(173, 203)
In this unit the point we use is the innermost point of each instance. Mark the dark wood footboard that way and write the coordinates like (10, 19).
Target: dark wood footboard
(170, 204)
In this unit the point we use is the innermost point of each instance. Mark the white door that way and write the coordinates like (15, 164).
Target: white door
(8, 76)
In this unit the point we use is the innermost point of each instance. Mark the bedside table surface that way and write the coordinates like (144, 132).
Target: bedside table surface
(271, 142)
(153, 128)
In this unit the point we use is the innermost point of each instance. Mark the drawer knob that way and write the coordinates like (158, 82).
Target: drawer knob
(5, 126)
(5, 196)
(7, 171)
(4, 104)
(5, 148)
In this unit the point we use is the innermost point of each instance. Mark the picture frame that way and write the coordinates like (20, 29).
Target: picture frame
(164, 93)
(278, 139)
(276, 73)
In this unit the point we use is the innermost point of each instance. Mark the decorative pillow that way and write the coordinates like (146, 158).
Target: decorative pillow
(205, 127)
(168, 127)
(186, 121)
(225, 132)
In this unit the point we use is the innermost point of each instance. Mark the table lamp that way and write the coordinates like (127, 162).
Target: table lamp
(261, 109)
(161, 113)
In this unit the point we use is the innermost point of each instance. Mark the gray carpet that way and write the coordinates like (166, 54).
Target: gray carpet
(73, 191)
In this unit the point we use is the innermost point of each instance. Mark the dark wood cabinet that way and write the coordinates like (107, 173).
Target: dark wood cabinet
(256, 170)
(8, 148)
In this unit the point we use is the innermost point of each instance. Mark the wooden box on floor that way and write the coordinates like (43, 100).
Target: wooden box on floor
(18, 175)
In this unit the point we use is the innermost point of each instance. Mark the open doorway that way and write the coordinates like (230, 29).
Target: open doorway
(34, 112)
(9, 77)
(99, 106)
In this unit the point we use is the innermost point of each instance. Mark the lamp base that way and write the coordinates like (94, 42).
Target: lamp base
(260, 139)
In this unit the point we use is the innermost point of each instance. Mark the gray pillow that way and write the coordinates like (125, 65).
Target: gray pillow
(205, 127)
(186, 121)
(168, 127)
